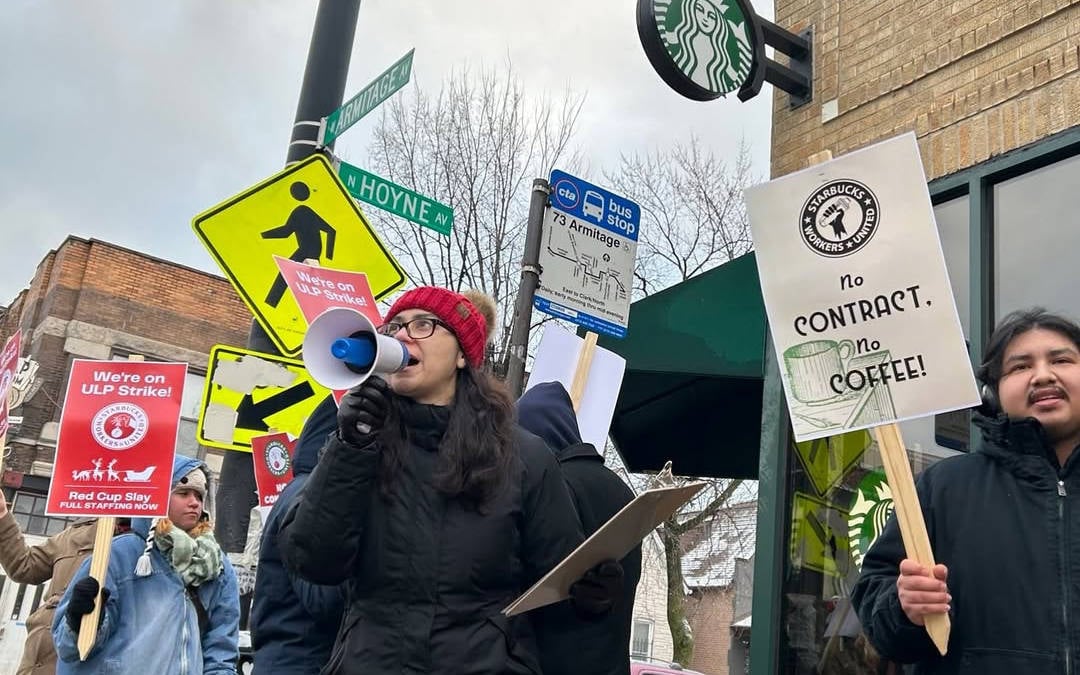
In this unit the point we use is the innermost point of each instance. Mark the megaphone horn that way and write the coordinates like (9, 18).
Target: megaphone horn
(342, 349)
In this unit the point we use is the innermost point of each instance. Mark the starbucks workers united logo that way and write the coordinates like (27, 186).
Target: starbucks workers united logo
(708, 40)
(839, 218)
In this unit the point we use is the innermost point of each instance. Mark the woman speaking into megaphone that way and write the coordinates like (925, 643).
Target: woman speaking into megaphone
(435, 508)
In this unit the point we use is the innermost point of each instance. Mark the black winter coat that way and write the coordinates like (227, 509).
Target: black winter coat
(294, 622)
(427, 576)
(572, 645)
(1005, 520)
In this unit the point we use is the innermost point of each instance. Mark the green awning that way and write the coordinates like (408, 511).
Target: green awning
(694, 373)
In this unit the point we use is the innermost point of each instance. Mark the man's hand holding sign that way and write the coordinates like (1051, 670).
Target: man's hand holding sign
(864, 324)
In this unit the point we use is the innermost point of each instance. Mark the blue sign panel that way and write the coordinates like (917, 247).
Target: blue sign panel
(587, 255)
(594, 205)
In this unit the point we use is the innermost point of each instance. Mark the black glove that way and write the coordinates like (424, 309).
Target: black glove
(598, 591)
(81, 603)
(362, 412)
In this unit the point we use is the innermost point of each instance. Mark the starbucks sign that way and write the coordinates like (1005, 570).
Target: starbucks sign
(702, 49)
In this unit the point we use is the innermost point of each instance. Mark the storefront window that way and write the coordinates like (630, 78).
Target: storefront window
(940, 435)
(1035, 240)
(839, 502)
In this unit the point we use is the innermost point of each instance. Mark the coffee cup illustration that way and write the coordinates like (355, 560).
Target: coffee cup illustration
(811, 367)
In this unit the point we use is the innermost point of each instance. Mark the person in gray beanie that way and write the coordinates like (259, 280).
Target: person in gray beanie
(171, 604)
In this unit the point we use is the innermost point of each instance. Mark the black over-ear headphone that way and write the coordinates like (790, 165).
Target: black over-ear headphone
(990, 404)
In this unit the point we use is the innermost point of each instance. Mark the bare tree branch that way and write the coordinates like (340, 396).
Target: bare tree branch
(475, 145)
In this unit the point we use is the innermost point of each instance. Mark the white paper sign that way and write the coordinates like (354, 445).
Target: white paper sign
(556, 361)
(858, 298)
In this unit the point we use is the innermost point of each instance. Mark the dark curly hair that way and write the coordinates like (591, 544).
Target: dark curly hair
(475, 452)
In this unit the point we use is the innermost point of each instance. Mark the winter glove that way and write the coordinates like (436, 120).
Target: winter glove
(81, 603)
(362, 412)
(598, 591)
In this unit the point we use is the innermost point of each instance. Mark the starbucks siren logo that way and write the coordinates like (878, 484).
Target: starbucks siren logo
(839, 218)
(709, 41)
(873, 505)
(277, 458)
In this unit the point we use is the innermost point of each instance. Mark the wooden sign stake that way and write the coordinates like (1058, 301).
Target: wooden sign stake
(99, 567)
(581, 374)
(910, 518)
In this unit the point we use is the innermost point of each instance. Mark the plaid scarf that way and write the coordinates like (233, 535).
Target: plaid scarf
(197, 559)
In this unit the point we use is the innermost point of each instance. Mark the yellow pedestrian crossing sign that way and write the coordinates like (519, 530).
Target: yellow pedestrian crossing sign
(303, 212)
(248, 393)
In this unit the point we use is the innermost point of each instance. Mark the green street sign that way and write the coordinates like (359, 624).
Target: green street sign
(398, 200)
(393, 78)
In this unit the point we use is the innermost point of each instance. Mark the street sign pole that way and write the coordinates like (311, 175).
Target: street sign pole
(530, 280)
(321, 93)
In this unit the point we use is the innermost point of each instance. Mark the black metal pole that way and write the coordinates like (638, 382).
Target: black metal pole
(321, 93)
(530, 280)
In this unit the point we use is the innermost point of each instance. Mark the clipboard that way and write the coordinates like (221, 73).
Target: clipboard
(612, 541)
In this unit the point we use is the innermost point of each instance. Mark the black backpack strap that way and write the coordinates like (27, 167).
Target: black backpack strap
(200, 611)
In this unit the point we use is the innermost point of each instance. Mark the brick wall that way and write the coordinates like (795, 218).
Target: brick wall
(146, 296)
(92, 295)
(972, 78)
(710, 612)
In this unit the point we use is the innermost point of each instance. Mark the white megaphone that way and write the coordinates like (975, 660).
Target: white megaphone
(342, 349)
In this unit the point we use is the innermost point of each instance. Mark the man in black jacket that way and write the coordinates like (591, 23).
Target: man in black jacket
(294, 622)
(1004, 523)
(573, 644)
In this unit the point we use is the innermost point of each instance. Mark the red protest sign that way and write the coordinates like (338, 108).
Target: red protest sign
(317, 289)
(117, 439)
(9, 362)
(272, 454)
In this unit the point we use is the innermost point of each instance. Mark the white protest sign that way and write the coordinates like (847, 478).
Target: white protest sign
(556, 360)
(859, 304)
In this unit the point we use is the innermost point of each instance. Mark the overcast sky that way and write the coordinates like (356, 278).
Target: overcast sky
(121, 120)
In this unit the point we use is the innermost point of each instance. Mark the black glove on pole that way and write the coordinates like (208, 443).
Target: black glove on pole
(598, 591)
(362, 412)
(83, 594)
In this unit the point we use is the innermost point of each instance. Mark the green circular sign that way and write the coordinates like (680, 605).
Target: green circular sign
(703, 49)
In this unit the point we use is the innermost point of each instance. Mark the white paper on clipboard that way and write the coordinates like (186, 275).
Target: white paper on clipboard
(612, 541)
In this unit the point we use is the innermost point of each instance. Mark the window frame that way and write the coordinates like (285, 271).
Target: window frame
(651, 626)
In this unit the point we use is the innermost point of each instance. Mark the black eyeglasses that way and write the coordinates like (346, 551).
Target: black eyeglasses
(417, 329)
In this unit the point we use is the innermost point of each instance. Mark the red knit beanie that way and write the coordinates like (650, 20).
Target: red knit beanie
(456, 311)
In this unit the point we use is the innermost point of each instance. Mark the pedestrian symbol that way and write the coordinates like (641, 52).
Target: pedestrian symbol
(301, 213)
(308, 228)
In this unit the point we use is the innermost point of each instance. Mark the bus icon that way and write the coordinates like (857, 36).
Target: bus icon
(594, 205)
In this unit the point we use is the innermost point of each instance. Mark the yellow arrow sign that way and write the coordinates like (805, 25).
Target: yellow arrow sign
(828, 460)
(819, 537)
(303, 212)
(248, 393)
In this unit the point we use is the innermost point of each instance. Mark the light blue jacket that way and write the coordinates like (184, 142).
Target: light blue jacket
(149, 623)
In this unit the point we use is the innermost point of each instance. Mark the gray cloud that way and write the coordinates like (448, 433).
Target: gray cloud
(124, 119)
